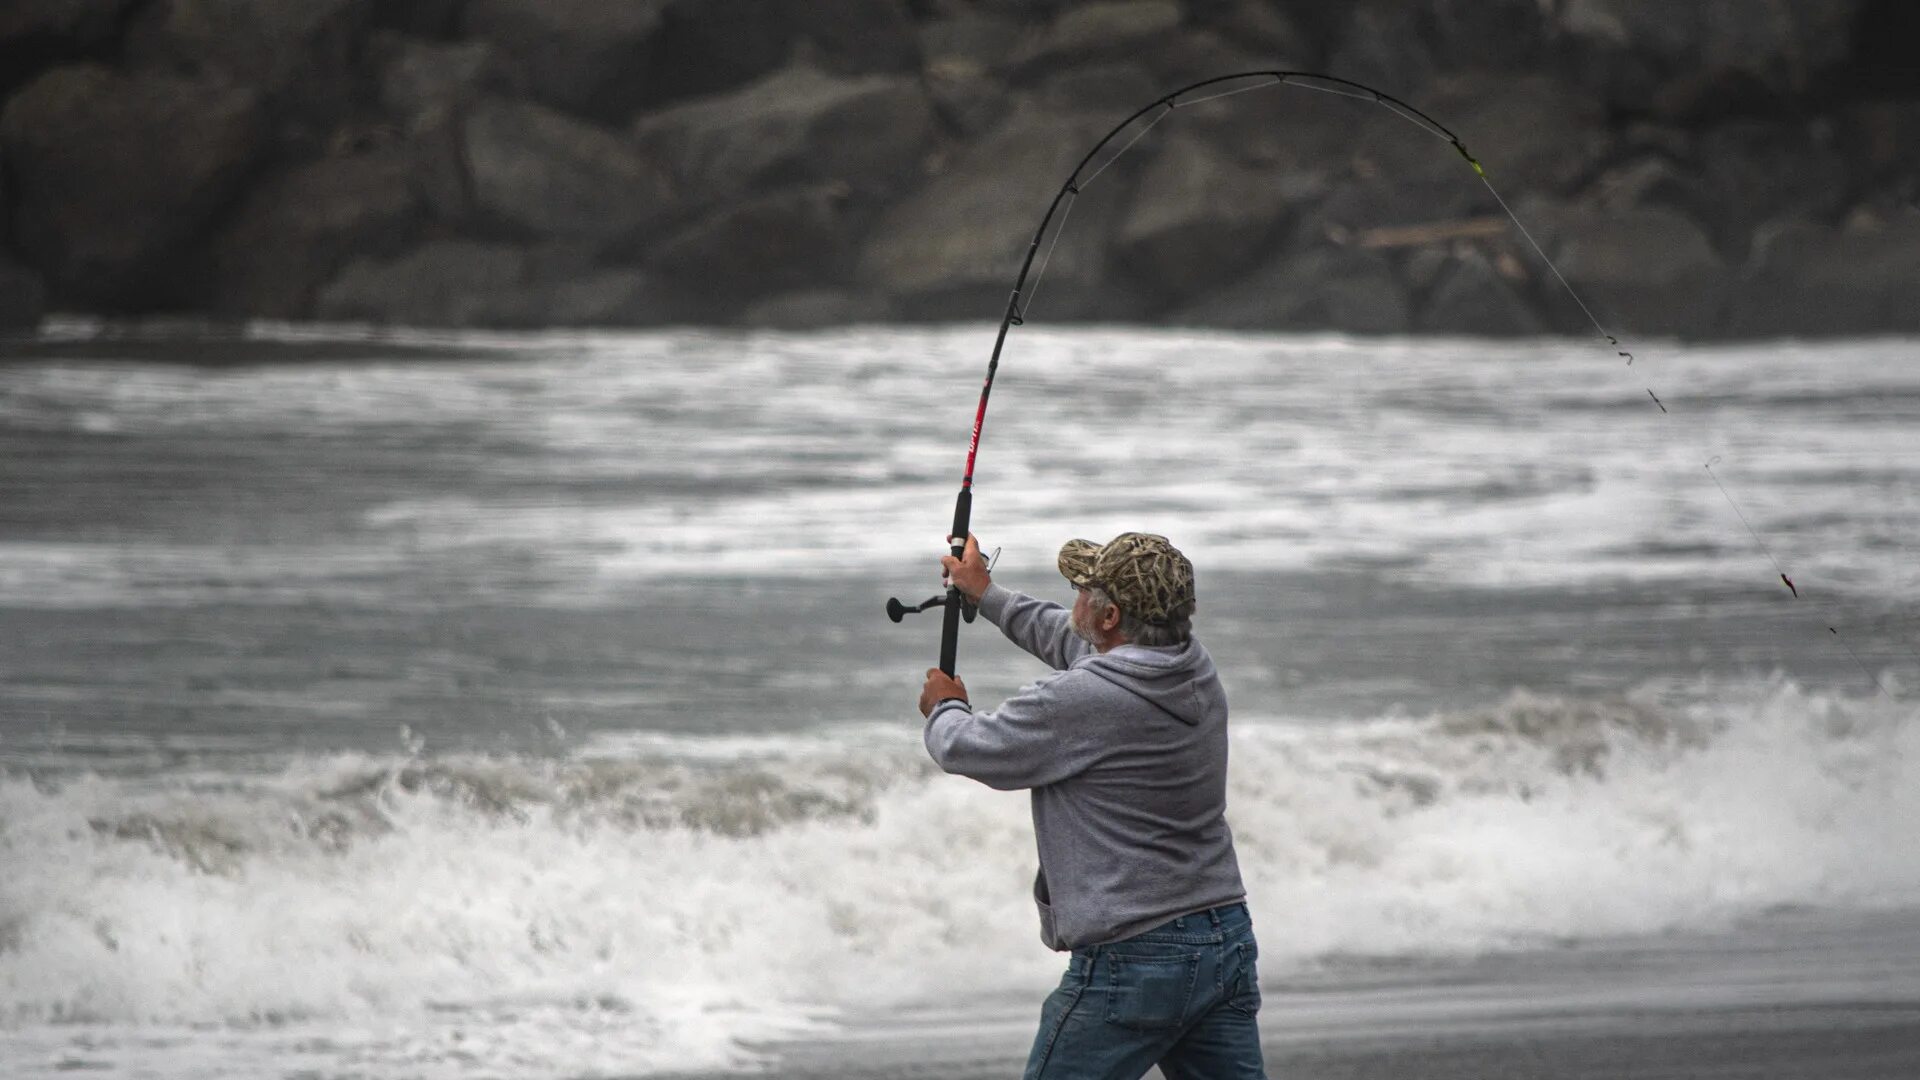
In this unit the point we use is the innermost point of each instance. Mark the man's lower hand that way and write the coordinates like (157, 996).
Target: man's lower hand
(939, 687)
(968, 573)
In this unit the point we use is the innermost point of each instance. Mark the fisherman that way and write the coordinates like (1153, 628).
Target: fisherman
(1125, 750)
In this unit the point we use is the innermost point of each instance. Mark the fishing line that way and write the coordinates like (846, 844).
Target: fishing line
(1615, 342)
(954, 603)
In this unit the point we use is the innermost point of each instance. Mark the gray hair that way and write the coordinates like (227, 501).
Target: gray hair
(1177, 630)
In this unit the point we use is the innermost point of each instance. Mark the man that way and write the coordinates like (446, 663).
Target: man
(1125, 749)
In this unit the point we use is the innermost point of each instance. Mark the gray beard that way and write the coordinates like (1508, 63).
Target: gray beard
(1082, 632)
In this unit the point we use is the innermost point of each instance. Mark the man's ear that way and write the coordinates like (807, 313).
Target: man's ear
(1110, 618)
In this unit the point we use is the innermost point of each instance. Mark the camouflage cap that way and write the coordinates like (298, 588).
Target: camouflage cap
(1143, 573)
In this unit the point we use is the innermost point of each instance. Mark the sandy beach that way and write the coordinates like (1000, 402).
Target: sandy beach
(1798, 995)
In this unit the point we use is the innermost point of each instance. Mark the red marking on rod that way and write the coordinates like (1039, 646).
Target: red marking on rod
(973, 446)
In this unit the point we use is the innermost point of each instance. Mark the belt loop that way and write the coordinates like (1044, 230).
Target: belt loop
(1214, 914)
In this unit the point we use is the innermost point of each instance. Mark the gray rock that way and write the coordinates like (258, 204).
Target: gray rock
(783, 240)
(798, 125)
(1628, 50)
(1384, 44)
(1343, 289)
(466, 283)
(716, 45)
(301, 55)
(1756, 172)
(23, 296)
(613, 296)
(1650, 181)
(1262, 28)
(424, 80)
(1112, 88)
(1880, 140)
(1102, 28)
(447, 283)
(293, 232)
(420, 18)
(1527, 131)
(1284, 129)
(970, 42)
(967, 102)
(952, 249)
(35, 34)
(1190, 56)
(553, 176)
(1470, 296)
(1809, 279)
(114, 174)
(963, 53)
(1490, 34)
(1355, 207)
(1645, 271)
(1197, 217)
(588, 57)
(814, 309)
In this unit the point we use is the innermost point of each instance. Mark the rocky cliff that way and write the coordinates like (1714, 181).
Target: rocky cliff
(1702, 169)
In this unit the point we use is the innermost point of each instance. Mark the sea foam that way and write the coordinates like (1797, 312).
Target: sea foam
(663, 901)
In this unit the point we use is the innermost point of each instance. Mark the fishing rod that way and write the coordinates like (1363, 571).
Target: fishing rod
(955, 606)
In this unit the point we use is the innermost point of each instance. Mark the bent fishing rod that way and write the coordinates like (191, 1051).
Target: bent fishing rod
(954, 606)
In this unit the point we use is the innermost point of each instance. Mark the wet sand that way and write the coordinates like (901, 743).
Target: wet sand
(1802, 995)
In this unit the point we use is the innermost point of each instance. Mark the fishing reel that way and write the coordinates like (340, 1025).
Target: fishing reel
(898, 611)
(957, 607)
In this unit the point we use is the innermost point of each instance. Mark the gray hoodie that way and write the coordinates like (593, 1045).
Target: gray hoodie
(1126, 753)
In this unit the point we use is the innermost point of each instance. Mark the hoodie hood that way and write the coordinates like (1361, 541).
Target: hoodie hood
(1180, 681)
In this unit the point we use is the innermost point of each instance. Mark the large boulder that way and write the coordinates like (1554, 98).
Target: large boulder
(1327, 288)
(710, 46)
(423, 82)
(1880, 140)
(787, 240)
(1756, 172)
(1501, 35)
(1641, 271)
(1809, 279)
(588, 57)
(813, 309)
(963, 52)
(952, 249)
(468, 283)
(549, 175)
(1263, 28)
(114, 174)
(35, 34)
(799, 125)
(1471, 295)
(1197, 217)
(1650, 181)
(1631, 51)
(23, 296)
(300, 54)
(1385, 44)
(1103, 29)
(1528, 132)
(293, 232)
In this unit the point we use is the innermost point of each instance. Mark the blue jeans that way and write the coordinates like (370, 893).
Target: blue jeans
(1184, 995)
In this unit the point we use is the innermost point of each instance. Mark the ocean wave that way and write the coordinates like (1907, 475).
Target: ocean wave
(708, 897)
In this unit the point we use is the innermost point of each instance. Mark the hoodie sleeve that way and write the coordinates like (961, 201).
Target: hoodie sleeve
(1041, 627)
(1028, 742)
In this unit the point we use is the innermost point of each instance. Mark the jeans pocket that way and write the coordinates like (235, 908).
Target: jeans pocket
(1244, 994)
(1151, 992)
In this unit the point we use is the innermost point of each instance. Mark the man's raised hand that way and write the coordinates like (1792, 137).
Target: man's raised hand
(968, 573)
